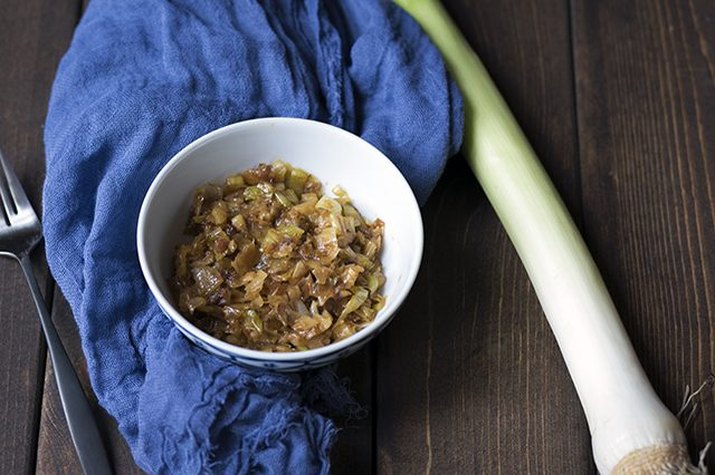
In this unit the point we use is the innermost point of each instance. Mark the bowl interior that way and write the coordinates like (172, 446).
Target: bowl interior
(334, 156)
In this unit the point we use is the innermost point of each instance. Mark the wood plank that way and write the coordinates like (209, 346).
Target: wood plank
(353, 451)
(22, 354)
(646, 88)
(33, 35)
(470, 379)
(56, 454)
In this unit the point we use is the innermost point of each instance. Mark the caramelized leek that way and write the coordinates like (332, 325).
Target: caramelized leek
(272, 264)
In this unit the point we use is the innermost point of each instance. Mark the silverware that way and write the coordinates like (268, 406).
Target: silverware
(20, 231)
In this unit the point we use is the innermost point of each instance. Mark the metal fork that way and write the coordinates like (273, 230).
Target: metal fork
(20, 232)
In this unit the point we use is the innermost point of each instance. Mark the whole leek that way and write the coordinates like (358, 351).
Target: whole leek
(632, 431)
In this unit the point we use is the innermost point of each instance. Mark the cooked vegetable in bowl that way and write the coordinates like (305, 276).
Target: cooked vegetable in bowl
(224, 310)
(276, 265)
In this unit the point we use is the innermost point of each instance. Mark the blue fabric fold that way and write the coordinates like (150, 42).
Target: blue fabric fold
(140, 81)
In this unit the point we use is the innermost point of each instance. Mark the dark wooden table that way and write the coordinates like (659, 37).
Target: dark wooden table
(618, 99)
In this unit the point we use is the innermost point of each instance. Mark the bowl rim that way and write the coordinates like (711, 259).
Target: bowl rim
(256, 355)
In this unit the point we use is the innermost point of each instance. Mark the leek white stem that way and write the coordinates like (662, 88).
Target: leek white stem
(632, 431)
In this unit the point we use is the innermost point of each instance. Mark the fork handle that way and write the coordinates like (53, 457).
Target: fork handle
(80, 419)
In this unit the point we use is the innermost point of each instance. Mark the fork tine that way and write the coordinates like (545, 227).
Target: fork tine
(4, 216)
(7, 202)
(17, 198)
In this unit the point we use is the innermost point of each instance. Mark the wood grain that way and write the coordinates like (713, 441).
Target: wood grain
(56, 454)
(353, 451)
(470, 379)
(33, 35)
(21, 367)
(646, 94)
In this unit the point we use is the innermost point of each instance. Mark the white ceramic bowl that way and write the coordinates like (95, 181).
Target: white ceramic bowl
(335, 157)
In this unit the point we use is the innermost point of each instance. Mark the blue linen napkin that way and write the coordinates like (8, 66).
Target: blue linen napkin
(140, 81)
